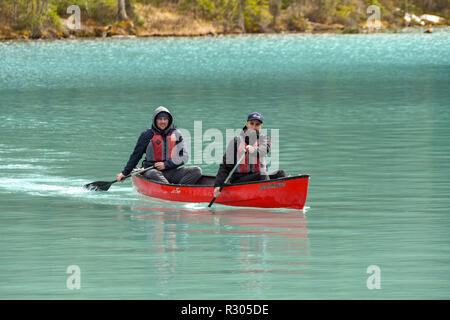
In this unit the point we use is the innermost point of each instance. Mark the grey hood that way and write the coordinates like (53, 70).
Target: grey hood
(159, 110)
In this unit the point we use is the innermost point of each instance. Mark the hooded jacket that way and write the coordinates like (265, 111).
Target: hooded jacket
(144, 145)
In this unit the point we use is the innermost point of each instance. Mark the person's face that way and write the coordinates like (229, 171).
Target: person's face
(254, 125)
(162, 123)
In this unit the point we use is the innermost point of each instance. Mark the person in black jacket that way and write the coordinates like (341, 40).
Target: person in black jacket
(165, 149)
(255, 146)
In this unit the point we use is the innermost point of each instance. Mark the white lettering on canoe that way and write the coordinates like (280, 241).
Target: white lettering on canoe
(273, 185)
(177, 190)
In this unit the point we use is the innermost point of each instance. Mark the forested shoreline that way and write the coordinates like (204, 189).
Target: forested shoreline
(53, 19)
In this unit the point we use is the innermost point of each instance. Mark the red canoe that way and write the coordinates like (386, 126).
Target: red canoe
(288, 192)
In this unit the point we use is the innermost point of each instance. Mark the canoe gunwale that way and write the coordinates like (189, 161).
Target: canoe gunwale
(300, 176)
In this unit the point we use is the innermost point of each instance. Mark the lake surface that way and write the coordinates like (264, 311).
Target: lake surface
(367, 116)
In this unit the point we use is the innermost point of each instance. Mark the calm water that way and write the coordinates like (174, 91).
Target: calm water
(368, 117)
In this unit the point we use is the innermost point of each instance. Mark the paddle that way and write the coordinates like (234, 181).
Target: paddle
(105, 185)
(228, 178)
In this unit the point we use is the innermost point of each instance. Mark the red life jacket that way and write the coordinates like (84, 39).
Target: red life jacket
(162, 149)
(245, 166)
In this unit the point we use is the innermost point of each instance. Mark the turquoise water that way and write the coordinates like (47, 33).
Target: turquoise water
(367, 116)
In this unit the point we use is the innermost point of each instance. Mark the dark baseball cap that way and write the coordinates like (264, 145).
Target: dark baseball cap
(255, 116)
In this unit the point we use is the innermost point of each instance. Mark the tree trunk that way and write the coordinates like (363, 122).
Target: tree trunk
(429, 5)
(274, 8)
(129, 9)
(241, 22)
(122, 10)
(38, 9)
(15, 11)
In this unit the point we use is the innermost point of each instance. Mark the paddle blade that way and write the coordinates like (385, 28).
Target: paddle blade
(99, 185)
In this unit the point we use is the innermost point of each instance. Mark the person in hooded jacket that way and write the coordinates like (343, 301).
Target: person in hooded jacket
(253, 167)
(165, 149)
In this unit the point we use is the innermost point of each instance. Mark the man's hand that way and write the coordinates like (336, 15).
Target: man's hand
(250, 149)
(120, 177)
(216, 192)
(160, 166)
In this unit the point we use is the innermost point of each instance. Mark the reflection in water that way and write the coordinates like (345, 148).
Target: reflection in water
(247, 221)
(221, 241)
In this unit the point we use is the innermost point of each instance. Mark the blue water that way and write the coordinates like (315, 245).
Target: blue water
(367, 116)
